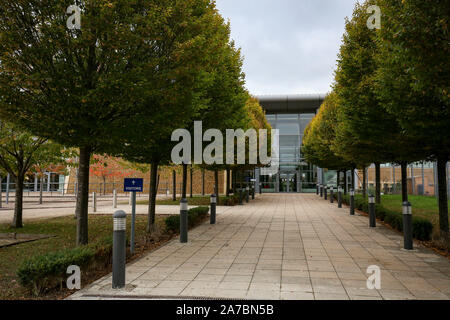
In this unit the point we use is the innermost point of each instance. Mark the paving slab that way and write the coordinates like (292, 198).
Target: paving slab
(283, 246)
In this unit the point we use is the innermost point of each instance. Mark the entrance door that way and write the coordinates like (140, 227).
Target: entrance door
(288, 182)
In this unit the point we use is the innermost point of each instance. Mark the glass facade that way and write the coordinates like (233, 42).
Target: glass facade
(295, 174)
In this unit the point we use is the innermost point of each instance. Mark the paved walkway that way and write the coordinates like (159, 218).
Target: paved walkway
(288, 246)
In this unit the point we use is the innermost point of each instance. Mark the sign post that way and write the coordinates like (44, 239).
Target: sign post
(133, 185)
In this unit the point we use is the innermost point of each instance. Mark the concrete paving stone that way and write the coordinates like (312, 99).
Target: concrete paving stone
(351, 275)
(351, 291)
(182, 276)
(237, 278)
(209, 277)
(293, 287)
(265, 286)
(330, 296)
(173, 284)
(146, 283)
(296, 295)
(295, 280)
(235, 285)
(295, 273)
(263, 295)
(230, 293)
(196, 284)
(393, 294)
(353, 297)
(284, 247)
(323, 275)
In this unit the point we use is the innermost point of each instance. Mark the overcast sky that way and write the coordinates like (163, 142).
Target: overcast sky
(289, 46)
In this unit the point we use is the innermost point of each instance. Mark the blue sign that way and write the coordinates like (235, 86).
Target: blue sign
(133, 184)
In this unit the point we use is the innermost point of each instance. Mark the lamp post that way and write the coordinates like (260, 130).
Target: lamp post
(352, 202)
(119, 249)
(339, 197)
(372, 216)
(213, 209)
(407, 226)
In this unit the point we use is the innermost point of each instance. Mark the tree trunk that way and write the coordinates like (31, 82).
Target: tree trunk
(377, 183)
(442, 192)
(338, 178)
(18, 205)
(190, 182)
(345, 181)
(404, 167)
(353, 178)
(364, 186)
(104, 185)
(41, 187)
(174, 185)
(228, 183)
(216, 183)
(83, 196)
(183, 191)
(152, 197)
(203, 182)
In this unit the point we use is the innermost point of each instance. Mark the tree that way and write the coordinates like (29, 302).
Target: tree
(413, 79)
(319, 136)
(366, 133)
(173, 92)
(19, 153)
(81, 88)
(107, 167)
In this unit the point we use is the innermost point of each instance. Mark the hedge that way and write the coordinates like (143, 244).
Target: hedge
(194, 216)
(48, 271)
(422, 228)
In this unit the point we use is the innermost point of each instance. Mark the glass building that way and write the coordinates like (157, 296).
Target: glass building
(290, 115)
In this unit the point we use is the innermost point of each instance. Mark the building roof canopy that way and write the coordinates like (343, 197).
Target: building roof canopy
(287, 104)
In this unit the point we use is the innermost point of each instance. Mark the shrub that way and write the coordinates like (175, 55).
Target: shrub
(231, 200)
(195, 215)
(48, 271)
(173, 223)
(422, 228)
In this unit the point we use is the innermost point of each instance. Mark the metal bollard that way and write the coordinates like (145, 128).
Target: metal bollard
(184, 221)
(240, 196)
(94, 200)
(317, 189)
(119, 249)
(332, 195)
(253, 192)
(260, 188)
(325, 192)
(212, 217)
(321, 191)
(114, 198)
(352, 202)
(339, 197)
(247, 193)
(407, 226)
(372, 216)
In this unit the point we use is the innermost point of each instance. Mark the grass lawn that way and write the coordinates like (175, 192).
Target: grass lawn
(195, 201)
(423, 206)
(64, 228)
